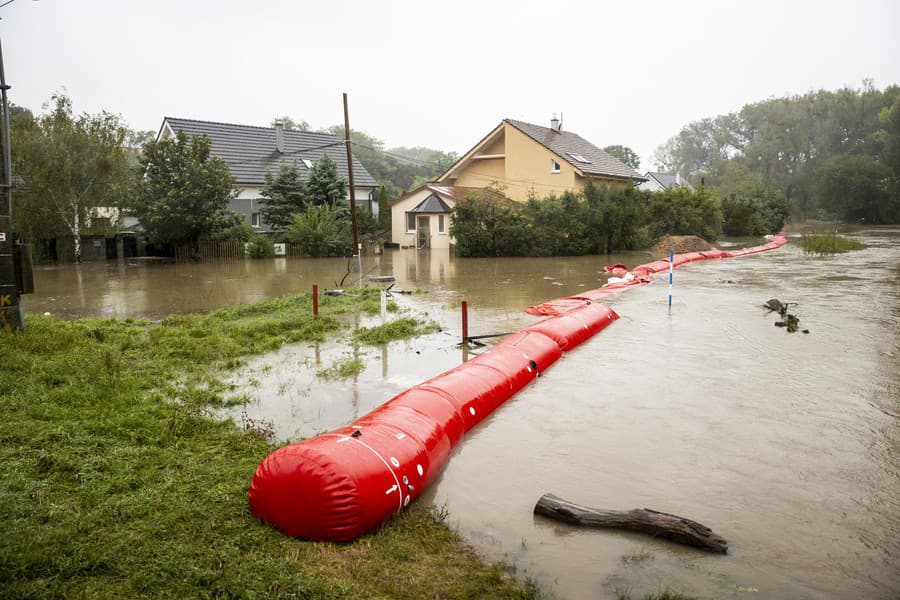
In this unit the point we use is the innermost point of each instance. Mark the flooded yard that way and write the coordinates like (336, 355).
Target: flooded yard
(787, 445)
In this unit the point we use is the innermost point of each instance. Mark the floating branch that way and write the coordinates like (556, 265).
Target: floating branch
(643, 520)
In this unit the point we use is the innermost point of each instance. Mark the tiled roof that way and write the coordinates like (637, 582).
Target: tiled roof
(454, 193)
(249, 151)
(571, 147)
(668, 181)
(431, 204)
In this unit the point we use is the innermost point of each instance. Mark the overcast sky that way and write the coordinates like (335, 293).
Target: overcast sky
(443, 74)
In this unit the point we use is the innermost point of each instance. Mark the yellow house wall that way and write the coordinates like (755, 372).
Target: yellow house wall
(483, 173)
(401, 236)
(528, 168)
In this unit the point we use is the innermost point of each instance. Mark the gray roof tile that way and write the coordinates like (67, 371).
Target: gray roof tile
(566, 144)
(249, 150)
(431, 204)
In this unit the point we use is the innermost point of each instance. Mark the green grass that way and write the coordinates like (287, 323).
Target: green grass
(828, 243)
(343, 368)
(115, 482)
(398, 329)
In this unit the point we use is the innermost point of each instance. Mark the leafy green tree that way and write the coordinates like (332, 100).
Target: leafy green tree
(854, 187)
(486, 224)
(324, 185)
(184, 195)
(679, 211)
(384, 208)
(71, 166)
(615, 217)
(625, 154)
(787, 140)
(290, 124)
(398, 169)
(323, 230)
(283, 195)
(749, 205)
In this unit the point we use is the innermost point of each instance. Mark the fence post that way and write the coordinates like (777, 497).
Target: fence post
(465, 321)
(315, 300)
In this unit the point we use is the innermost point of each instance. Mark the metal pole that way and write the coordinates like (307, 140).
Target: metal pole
(11, 316)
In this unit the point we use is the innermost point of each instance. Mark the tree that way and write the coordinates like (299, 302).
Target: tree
(323, 230)
(71, 166)
(290, 124)
(398, 169)
(184, 195)
(854, 187)
(625, 154)
(283, 195)
(749, 205)
(324, 185)
(384, 208)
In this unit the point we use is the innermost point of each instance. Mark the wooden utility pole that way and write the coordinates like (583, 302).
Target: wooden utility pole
(356, 249)
(11, 316)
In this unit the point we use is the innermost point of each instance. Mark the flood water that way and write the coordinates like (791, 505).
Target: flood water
(785, 444)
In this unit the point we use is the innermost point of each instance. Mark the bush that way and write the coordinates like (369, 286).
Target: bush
(260, 246)
(236, 232)
(487, 224)
(323, 230)
(679, 211)
(756, 212)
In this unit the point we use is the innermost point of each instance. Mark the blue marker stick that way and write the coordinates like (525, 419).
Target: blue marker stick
(671, 265)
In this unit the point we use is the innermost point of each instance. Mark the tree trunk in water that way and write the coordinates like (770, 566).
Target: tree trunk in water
(643, 520)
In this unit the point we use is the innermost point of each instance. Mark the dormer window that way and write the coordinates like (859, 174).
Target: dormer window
(554, 166)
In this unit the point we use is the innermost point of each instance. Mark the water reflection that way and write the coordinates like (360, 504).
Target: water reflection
(787, 445)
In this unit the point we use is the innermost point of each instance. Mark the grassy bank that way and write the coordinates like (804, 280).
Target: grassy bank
(117, 483)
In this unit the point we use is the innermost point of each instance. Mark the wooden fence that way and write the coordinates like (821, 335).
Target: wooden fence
(232, 250)
(206, 250)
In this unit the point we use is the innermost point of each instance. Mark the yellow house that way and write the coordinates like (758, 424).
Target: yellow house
(421, 218)
(517, 159)
(522, 159)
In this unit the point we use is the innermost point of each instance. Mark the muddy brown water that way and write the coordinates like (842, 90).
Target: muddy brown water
(788, 445)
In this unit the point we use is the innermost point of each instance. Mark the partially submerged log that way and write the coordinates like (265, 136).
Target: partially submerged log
(643, 520)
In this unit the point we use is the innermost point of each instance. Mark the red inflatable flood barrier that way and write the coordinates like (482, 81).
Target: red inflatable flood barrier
(341, 484)
(644, 273)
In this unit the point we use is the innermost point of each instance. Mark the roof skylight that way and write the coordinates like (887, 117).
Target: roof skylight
(579, 158)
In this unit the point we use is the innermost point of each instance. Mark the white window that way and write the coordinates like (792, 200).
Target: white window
(410, 221)
(254, 219)
(440, 223)
(554, 166)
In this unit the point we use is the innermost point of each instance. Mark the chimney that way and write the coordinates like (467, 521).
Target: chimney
(555, 123)
(279, 137)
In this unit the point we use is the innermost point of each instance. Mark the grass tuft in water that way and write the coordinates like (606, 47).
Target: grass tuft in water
(636, 557)
(398, 329)
(343, 368)
(828, 243)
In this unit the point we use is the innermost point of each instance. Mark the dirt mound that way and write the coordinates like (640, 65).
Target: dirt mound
(680, 244)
